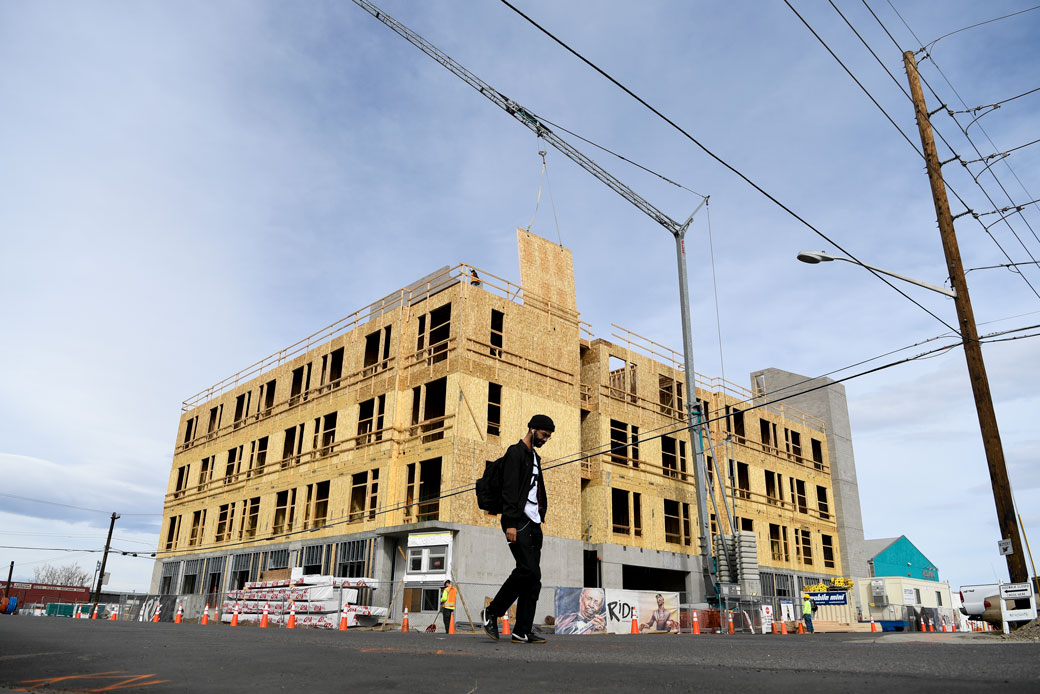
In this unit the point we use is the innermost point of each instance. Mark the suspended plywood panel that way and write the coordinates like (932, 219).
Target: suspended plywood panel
(546, 272)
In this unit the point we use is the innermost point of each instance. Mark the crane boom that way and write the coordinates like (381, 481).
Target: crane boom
(524, 116)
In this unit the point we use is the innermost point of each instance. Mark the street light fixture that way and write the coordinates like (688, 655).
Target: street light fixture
(814, 257)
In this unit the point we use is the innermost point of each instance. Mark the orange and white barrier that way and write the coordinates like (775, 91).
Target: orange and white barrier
(343, 618)
(180, 614)
(158, 609)
(205, 616)
(234, 616)
(696, 623)
(115, 615)
(405, 627)
(291, 624)
(93, 615)
(873, 625)
(635, 622)
(264, 618)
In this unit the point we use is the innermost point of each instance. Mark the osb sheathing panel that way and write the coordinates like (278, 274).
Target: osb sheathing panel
(546, 269)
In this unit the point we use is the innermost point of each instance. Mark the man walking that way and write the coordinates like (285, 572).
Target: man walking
(807, 610)
(524, 503)
(448, 604)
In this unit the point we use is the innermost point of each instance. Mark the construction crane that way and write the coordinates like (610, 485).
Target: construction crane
(678, 231)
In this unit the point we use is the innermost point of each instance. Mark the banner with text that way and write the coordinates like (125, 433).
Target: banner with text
(610, 610)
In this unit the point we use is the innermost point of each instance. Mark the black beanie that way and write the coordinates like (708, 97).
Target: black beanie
(541, 421)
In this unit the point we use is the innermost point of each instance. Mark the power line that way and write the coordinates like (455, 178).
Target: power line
(994, 106)
(988, 21)
(78, 508)
(721, 161)
(952, 190)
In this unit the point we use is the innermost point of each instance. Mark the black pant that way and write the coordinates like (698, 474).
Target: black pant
(447, 618)
(524, 584)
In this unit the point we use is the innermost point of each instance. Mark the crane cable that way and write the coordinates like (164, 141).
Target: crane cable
(552, 201)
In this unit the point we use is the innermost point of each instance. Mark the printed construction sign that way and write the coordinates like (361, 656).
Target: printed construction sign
(608, 610)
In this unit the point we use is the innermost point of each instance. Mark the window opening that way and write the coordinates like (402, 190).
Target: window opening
(497, 332)
(285, 508)
(494, 409)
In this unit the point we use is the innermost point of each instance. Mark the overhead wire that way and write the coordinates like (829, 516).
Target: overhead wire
(937, 131)
(721, 161)
(988, 21)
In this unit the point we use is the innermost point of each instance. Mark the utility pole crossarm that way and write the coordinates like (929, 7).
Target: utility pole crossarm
(524, 116)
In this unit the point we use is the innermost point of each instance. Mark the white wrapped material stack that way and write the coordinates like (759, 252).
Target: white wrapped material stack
(318, 601)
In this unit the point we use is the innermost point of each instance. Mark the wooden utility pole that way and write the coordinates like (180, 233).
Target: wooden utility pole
(104, 560)
(970, 337)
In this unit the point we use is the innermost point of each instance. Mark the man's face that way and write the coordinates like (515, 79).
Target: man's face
(539, 437)
(591, 603)
(660, 601)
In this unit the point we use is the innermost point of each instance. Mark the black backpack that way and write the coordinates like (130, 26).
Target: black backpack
(489, 488)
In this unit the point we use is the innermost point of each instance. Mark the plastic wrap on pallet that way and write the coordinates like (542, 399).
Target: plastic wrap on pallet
(257, 606)
(316, 580)
(300, 593)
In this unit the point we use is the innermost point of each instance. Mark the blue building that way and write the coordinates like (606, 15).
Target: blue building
(897, 556)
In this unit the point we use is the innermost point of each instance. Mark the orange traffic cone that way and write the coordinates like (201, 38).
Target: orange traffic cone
(506, 631)
(343, 618)
(635, 622)
(783, 626)
(291, 624)
(115, 615)
(158, 609)
(931, 626)
(776, 627)
(729, 629)
(180, 614)
(451, 624)
(696, 623)
(801, 628)
(93, 615)
(234, 616)
(76, 615)
(404, 622)
(205, 616)
(263, 617)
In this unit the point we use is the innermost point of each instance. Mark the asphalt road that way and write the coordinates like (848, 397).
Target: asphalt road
(54, 654)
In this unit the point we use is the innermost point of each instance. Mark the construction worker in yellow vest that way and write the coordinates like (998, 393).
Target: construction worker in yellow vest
(448, 603)
(808, 607)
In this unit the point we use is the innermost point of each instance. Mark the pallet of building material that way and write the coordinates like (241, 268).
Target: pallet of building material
(257, 606)
(315, 580)
(316, 621)
(299, 593)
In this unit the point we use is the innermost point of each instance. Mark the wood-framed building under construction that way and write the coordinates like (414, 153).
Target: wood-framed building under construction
(353, 453)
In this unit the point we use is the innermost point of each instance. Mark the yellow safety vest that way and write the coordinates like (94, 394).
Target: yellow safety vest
(448, 598)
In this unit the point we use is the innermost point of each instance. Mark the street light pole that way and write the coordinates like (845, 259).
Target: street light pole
(972, 348)
(813, 257)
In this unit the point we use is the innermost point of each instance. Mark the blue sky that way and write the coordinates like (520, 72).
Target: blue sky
(191, 186)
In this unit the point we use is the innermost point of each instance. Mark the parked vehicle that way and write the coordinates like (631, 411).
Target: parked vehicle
(982, 602)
